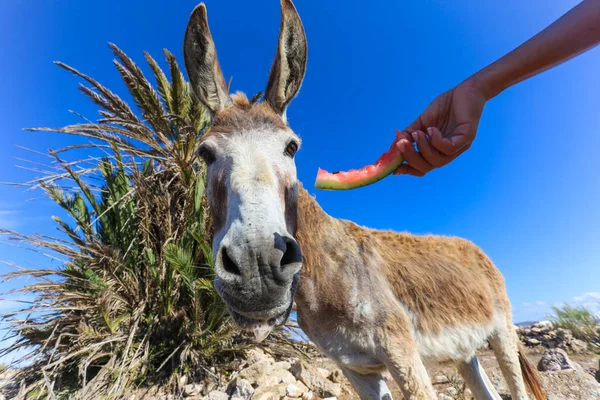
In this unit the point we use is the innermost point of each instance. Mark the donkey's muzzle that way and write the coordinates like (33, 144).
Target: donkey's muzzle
(256, 276)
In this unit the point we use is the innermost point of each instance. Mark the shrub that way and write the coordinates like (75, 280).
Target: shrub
(580, 321)
(133, 300)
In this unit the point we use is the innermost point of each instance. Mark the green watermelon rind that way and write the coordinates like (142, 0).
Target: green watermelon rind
(327, 182)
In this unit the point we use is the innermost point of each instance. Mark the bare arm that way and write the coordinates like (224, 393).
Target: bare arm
(452, 119)
(574, 33)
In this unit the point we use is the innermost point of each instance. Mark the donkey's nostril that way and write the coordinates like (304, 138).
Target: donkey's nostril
(292, 253)
(228, 264)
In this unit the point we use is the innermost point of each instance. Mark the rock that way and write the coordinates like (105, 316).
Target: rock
(336, 376)
(295, 390)
(330, 398)
(570, 384)
(282, 365)
(578, 346)
(533, 342)
(256, 371)
(192, 389)
(308, 375)
(555, 360)
(216, 395)
(270, 392)
(240, 387)
(276, 377)
(452, 391)
(209, 386)
(324, 373)
(544, 325)
(443, 396)
(308, 395)
(440, 379)
(255, 355)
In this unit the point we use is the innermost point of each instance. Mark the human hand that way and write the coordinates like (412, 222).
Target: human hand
(451, 123)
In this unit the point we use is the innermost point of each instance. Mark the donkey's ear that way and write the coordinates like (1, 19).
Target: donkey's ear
(289, 66)
(201, 62)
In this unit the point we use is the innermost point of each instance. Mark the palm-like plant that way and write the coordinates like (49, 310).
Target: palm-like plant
(133, 301)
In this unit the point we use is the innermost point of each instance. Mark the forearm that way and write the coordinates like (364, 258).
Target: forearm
(574, 33)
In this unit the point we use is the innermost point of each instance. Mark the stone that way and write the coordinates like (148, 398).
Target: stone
(240, 387)
(270, 392)
(533, 342)
(336, 376)
(192, 389)
(544, 325)
(282, 365)
(308, 395)
(256, 371)
(295, 390)
(578, 346)
(324, 373)
(443, 396)
(452, 391)
(555, 360)
(216, 395)
(255, 355)
(311, 377)
(276, 377)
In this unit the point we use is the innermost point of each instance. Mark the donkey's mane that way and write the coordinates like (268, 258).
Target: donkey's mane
(244, 115)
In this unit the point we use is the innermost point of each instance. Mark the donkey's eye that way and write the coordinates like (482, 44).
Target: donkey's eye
(207, 154)
(291, 149)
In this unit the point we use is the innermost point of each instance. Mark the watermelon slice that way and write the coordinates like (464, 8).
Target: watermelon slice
(345, 180)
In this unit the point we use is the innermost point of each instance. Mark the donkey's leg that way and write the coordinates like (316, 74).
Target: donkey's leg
(505, 344)
(371, 386)
(410, 374)
(399, 353)
(477, 380)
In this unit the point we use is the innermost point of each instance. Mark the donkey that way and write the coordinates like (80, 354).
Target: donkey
(370, 300)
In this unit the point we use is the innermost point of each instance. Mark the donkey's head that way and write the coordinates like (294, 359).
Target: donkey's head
(251, 180)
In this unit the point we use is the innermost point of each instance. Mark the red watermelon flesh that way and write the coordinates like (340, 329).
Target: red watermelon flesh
(352, 179)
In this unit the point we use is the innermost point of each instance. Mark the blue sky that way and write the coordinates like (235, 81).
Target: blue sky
(527, 192)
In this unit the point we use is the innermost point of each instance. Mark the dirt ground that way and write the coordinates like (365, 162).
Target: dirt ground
(449, 385)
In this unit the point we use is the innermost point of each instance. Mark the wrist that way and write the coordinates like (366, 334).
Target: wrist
(487, 82)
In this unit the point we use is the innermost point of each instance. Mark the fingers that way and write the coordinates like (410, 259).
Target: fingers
(406, 169)
(428, 152)
(451, 145)
(411, 156)
(431, 151)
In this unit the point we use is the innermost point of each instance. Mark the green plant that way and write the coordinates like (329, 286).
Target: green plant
(582, 323)
(132, 301)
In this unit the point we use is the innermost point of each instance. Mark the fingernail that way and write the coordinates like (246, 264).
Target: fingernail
(400, 145)
(415, 136)
(430, 130)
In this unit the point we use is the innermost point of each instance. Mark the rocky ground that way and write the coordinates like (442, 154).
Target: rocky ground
(568, 371)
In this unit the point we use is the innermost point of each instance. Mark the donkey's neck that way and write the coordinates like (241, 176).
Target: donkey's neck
(324, 241)
(315, 230)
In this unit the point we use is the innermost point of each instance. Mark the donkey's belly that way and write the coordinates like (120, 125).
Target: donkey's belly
(453, 343)
(348, 348)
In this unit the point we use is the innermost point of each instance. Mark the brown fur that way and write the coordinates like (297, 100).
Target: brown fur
(445, 281)
(217, 191)
(531, 376)
(243, 116)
